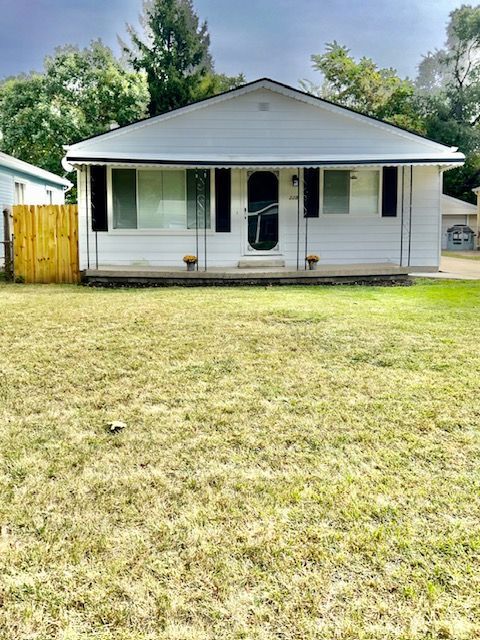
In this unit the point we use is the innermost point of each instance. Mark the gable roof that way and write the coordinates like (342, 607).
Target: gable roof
(25, 167)
(455, 206)
(114, 145)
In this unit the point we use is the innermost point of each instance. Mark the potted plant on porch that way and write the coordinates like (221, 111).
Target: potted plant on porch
(312, 260)
(190, 261)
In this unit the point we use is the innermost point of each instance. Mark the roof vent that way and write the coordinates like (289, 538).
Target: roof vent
(264, 106)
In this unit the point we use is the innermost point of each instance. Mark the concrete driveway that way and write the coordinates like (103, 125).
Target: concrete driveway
(455, 269)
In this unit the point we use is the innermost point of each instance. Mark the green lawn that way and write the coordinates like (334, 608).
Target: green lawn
(298, 463)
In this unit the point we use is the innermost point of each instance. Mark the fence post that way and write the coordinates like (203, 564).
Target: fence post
(7, 244)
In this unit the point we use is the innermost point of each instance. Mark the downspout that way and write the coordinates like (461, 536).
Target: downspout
(96, 250)
(298, 221)
(401, 215)
(205, 173)
(305, 215)
(410, 216)
(196, 217)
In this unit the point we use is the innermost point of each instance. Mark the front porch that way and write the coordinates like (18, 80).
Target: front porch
(262, 276)
(253, 225)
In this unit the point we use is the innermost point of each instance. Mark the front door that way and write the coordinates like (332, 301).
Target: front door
(262, 211)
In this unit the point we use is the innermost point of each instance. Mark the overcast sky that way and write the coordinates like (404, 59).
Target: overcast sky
(272, 38)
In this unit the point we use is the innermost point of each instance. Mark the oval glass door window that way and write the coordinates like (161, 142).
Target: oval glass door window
(262, 210)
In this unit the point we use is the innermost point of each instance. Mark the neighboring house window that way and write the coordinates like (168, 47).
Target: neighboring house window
(158, 199)
(49, 195)
(19, 192)
(351, 192)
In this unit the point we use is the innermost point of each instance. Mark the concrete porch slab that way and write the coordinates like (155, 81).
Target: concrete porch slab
(168, 276)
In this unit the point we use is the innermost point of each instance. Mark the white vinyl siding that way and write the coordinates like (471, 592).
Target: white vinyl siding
(236, 128)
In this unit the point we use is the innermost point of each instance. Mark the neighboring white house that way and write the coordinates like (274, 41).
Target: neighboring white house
(275, 172)
(24, 183)
(455, 211)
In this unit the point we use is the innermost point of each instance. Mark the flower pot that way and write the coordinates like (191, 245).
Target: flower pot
(312, 265)
(190, 266)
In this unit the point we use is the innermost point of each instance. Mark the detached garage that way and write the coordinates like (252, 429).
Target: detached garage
(456, 212)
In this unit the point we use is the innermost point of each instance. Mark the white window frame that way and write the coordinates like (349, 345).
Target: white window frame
(49, 192)
(23, 184)
(351, 214)
(155, 231)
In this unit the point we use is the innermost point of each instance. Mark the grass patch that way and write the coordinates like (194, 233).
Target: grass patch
(298, 463)
(464, 255)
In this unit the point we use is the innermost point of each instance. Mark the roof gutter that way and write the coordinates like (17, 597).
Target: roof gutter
(71, 161)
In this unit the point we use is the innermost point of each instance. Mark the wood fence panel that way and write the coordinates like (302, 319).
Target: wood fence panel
(46, 243)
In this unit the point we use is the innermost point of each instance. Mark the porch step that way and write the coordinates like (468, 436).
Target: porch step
(260, 262)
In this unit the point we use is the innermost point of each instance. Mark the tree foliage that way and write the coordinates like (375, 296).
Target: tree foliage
(443, 103)
(449, 85)
(364, 86)
(81, 93)
(174, 53)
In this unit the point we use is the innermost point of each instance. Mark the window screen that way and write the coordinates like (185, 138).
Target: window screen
(161, 200)
(364, 192)
(336, 191)
(124, 198)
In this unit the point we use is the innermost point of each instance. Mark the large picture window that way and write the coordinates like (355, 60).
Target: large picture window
(351, 192)
(160, 199)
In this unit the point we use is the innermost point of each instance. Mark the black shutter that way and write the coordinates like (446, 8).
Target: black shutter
(223, 191)
(98, 195)
(389, 192)
(311, 192)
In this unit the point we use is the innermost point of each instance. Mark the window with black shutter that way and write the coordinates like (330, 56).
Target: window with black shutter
(389, 192)
(311, 192)
(223, 191)
(98, 195)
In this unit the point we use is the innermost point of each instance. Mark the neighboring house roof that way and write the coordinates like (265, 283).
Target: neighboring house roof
(262, 123)
(25, 167)
(456, 207)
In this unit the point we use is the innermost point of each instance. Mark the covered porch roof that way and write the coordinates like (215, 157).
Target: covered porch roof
(446, 160)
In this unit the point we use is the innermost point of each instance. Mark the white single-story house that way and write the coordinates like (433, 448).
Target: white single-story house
(24, 183)
(260, 175)
(457, 212)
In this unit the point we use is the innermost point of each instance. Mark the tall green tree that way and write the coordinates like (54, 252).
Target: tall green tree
(449, 85)
(174, 52)
(362, 85)
(81, 93)
(443, 103)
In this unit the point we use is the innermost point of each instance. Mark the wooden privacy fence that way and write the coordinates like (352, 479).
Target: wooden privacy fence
(45, 243)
